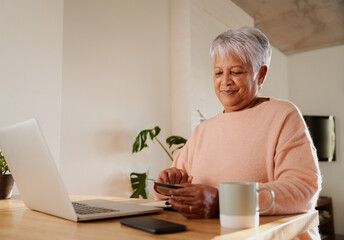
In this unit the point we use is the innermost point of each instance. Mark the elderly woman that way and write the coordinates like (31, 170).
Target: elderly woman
(255, 139)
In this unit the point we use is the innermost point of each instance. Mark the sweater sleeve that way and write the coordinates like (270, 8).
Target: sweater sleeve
(296, 179)
(181, 159)
(179, 162)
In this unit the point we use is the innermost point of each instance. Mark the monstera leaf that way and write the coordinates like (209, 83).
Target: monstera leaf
(176, 140)
(141, 139)
(139, 185)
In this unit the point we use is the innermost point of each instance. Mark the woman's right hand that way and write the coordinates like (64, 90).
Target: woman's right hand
(174, 176)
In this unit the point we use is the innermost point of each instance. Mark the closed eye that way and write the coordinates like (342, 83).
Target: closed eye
(237, 73)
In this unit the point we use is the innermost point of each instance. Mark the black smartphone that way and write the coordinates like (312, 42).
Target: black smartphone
(164, 188)
(153, 225)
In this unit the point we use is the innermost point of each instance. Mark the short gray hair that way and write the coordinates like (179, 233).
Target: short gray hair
(247, 43)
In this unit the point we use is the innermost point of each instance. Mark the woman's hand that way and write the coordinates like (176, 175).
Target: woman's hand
(174, 176)
(195, 201)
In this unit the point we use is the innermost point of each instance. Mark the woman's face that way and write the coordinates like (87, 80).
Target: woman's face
(234, 83)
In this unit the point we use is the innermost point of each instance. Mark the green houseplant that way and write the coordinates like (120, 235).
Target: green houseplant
(139, 180)
(6, 179)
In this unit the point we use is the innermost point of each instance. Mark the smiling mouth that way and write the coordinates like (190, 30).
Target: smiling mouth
(228, 92)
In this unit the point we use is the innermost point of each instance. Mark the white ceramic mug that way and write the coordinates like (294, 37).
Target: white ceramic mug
(239, 205)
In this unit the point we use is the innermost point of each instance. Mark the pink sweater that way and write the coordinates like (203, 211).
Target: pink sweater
(268, 143)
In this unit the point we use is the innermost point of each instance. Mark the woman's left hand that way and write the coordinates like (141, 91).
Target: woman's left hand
(195, 200)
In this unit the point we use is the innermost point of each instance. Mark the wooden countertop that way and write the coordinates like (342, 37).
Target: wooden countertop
(19, 222)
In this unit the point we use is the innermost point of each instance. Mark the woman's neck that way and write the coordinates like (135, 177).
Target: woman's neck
(255, 102)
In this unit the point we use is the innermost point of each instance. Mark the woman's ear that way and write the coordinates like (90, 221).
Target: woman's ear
(262, 74)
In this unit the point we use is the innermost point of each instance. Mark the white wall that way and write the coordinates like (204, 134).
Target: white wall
(180, 52)
(276, 82)
(31, 65)
(115, 84)
(316, 85)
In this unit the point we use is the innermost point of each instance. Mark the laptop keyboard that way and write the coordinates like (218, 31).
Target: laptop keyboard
(86, 209)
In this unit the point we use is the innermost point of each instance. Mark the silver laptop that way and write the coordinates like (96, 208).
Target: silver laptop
(39, 182)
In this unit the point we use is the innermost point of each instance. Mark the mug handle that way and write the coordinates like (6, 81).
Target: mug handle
(272, 194)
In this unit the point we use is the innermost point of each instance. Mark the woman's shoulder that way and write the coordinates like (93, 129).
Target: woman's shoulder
(281, 105)
(280, 102)
(206, 124)
(282, 109)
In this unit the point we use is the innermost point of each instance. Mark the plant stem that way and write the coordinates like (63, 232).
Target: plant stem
(164, 149)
